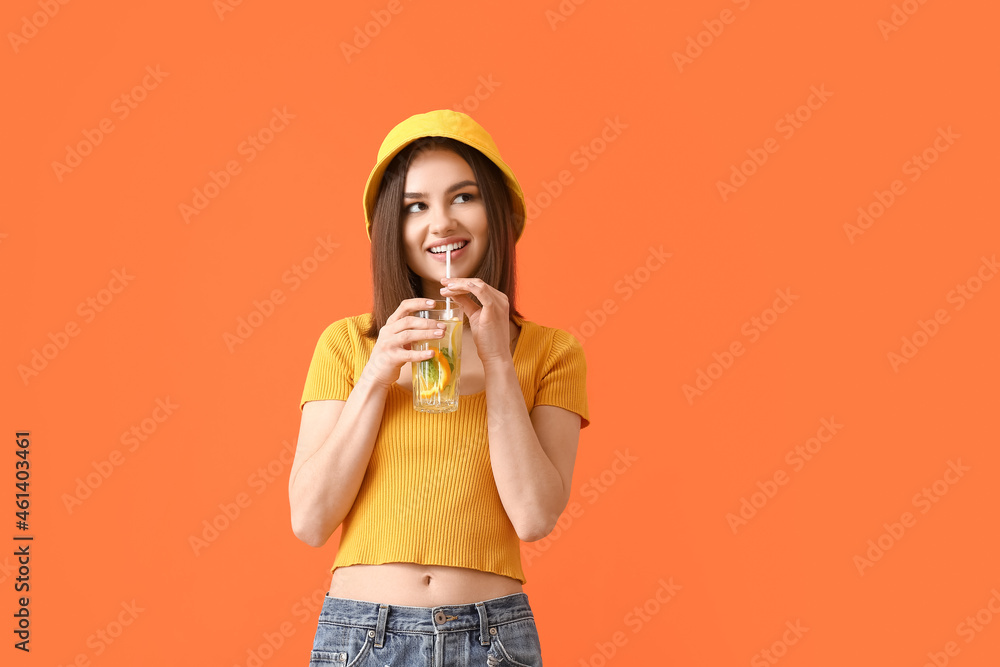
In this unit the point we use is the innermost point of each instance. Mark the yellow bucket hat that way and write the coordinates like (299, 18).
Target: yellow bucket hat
(440, 123)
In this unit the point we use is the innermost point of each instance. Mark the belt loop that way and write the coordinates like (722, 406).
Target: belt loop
(383, 611)
(483, 624)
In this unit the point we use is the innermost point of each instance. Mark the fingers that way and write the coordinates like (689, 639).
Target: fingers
(407, 306)
(393, 348)
(411, 325)
(418, 355)
(415, 330)
(409, 329)
(468, 286)
(474, 285)
(463, 289)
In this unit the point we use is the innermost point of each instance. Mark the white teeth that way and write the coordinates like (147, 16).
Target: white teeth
(453, 246)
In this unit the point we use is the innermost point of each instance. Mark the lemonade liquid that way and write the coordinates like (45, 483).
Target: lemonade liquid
(435, 380)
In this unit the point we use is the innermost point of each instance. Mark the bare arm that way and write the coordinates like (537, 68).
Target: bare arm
(532, 455)
(335, 444)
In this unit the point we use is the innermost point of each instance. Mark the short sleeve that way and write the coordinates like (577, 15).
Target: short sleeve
(331, 371)
(563, 377)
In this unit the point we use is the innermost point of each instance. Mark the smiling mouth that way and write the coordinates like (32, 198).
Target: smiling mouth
(443, 251)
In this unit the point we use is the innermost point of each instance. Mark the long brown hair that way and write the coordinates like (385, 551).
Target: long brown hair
(393, 280)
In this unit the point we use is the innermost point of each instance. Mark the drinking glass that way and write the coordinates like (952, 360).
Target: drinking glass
(435, 380)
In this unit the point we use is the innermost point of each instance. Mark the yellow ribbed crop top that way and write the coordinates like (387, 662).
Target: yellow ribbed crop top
(428, 495)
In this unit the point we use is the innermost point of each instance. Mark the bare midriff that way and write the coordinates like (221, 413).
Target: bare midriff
(416, 585)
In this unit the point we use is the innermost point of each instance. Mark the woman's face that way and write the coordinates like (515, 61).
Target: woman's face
(442, 206)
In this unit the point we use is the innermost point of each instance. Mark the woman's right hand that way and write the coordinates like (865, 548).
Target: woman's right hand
(392, 349)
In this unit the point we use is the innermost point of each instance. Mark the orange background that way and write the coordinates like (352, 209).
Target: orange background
(656, 184)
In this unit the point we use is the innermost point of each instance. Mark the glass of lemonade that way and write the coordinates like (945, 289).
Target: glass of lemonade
(435, 380)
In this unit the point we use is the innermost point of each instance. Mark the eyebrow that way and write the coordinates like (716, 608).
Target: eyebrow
(457, 186)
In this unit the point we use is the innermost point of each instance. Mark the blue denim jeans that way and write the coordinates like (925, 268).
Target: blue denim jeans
(496, 632)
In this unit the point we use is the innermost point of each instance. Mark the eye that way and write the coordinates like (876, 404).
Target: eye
(410, 209)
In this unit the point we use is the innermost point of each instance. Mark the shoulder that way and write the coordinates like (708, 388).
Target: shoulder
(549, 335)
(346, 330)
(551, 343)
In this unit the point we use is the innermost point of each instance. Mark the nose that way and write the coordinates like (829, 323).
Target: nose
(441, 222)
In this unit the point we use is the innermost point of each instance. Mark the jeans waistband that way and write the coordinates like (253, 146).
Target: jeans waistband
(379, 617)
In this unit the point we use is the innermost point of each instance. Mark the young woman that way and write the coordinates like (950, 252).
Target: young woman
(434, 506)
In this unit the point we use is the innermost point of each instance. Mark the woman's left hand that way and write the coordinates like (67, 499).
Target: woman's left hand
(490, 323)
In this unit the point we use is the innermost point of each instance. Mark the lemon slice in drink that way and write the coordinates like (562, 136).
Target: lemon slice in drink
(443, 375)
